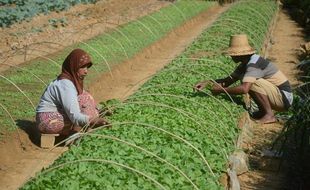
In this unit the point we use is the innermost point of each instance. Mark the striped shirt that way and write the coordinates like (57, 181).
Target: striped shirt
(259, 67)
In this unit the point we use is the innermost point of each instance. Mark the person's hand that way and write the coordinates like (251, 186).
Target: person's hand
(98, 122)
(106, 112)
(103, 121)
(201, 85)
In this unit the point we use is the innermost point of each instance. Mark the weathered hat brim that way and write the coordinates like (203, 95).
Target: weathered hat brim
(239, 52)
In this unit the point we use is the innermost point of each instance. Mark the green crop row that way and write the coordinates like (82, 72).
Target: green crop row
(165, 136)
(22, 87)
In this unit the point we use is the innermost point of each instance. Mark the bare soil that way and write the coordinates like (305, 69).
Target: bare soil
(21, 159)
(127, 77)
(270, 172)
(39, 37)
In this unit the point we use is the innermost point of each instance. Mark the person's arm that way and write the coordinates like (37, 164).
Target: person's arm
(69, 100)
(68, 97)
(241, 89)
(252, 73)
(98, 122)
(94, 123)
(224, 82)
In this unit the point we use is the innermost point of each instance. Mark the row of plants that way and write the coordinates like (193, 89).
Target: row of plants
(300, 10)
(23, 86)
(165, 135)
(295, 138)
(15, 11)
(295, 141)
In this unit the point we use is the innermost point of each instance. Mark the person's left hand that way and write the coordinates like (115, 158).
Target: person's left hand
(99, 122)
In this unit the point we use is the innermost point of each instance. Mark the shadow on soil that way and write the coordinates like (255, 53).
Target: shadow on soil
(34, 135)
(30, 128)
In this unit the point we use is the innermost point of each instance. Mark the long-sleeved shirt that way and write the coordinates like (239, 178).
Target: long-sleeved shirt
(62, 95)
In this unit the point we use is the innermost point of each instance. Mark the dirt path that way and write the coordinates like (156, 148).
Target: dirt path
(265, 172)
(18, 164)
(129, 76)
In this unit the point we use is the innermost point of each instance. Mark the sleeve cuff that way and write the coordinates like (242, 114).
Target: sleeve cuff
(249, 79)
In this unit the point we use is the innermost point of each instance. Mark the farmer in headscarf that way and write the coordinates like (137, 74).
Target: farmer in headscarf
(65, 107)
(265, 83)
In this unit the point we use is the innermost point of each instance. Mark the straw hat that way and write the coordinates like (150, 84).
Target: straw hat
(239, 45)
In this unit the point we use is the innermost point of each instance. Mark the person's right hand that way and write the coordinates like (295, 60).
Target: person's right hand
(98, 122)
(103, 121)
(106, 112)
(199, 86)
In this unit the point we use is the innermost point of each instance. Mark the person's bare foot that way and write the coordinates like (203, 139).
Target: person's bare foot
(266, 119)
(257, 115)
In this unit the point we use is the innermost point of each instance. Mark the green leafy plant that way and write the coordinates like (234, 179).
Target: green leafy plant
(166, 136)
(58, 22)
(19, 10)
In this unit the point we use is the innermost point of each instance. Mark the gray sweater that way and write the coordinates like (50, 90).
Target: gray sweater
(62, 94)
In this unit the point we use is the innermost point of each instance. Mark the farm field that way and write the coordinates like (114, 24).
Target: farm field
(163, 135)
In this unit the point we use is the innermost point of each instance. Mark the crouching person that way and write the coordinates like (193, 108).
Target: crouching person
(265, 83)
(65, 107)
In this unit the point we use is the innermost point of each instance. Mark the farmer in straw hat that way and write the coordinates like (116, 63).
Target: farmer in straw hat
(65, 107)
(266, 85)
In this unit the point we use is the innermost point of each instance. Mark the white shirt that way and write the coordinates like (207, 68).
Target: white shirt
(62, 94)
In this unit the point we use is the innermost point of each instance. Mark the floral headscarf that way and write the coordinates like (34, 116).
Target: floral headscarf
(75, 60)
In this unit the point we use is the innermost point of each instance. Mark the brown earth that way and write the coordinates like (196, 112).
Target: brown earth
(269, 172)
(127, 77)
(21, 159)
(19, 162)
(39, 37)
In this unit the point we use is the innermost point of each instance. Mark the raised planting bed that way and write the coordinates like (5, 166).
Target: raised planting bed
(22, 86)
(165, 136)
